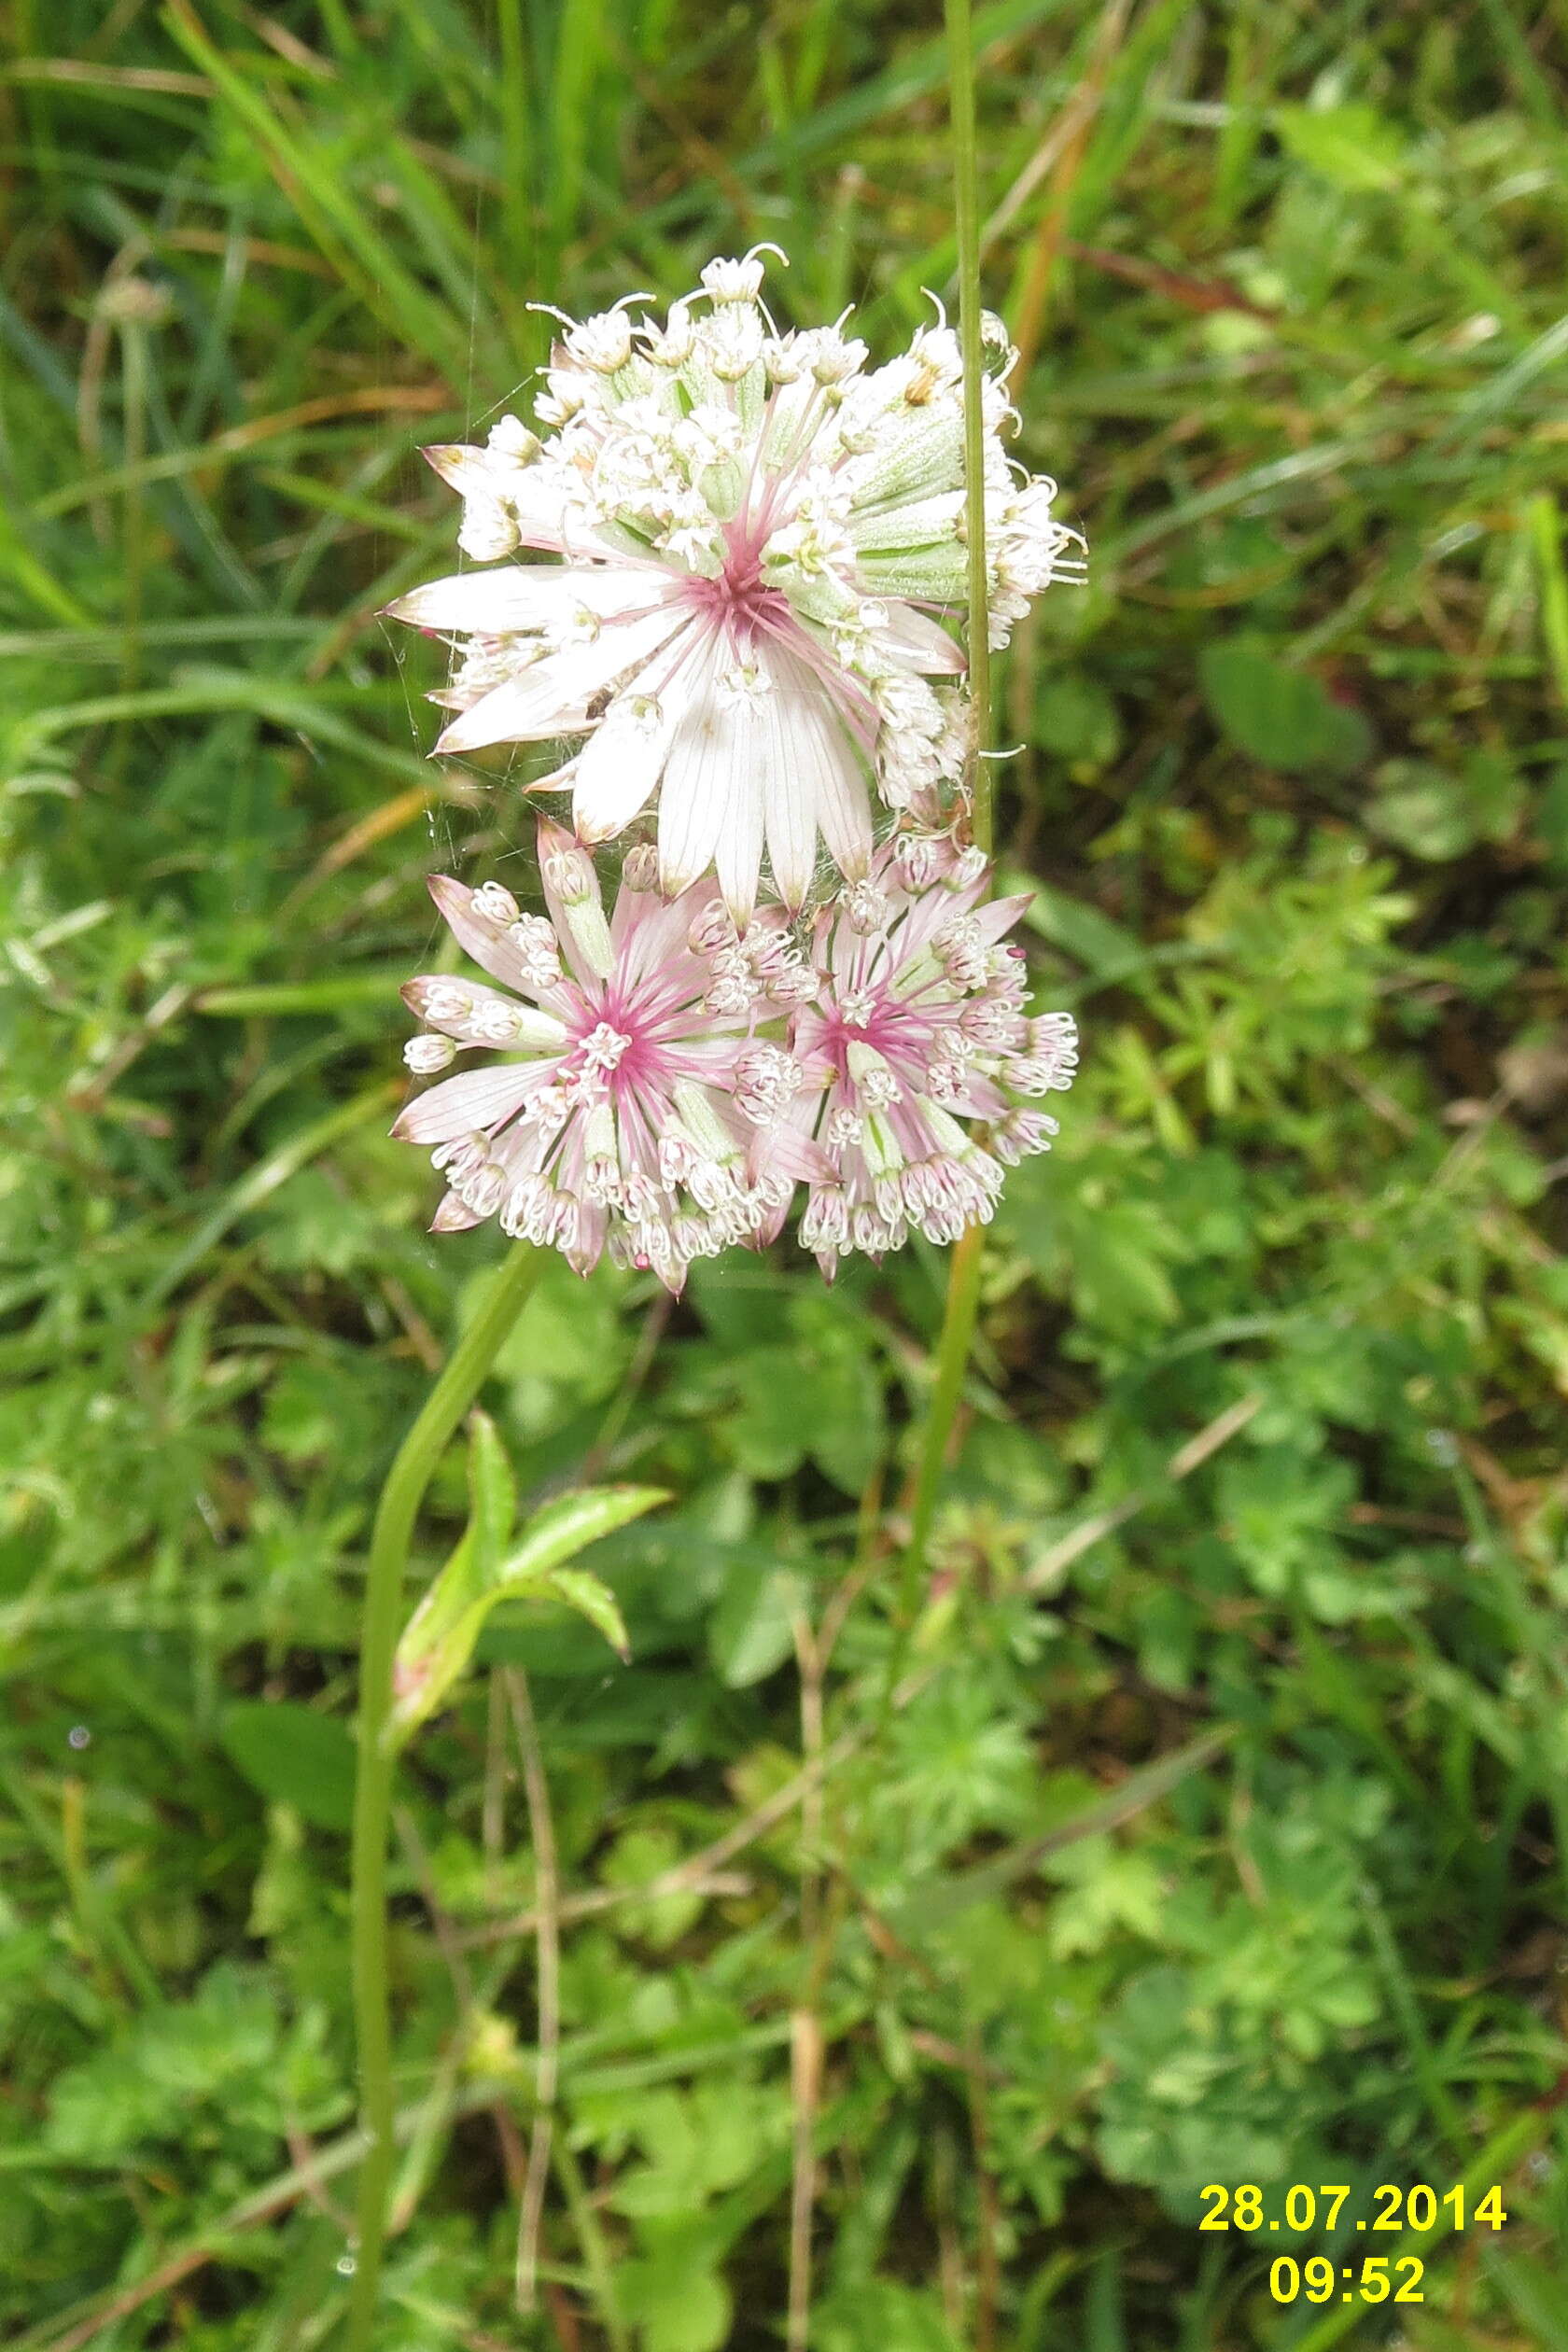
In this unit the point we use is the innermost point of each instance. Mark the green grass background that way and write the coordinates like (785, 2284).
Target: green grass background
(1292, 792)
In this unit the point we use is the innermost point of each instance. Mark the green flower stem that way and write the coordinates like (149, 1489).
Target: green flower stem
(952, 1361)
(966, 209)
(400, 1497)
(964, 1278)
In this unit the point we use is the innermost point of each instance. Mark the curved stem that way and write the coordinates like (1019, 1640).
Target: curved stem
(411, 1472)
(963, 1277)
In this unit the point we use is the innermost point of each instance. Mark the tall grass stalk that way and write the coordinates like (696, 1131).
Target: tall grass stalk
(410, 1475)
(964, 1278)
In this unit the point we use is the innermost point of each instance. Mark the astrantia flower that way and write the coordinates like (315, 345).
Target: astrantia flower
(754, 534)
(633, 1104)
(917, 1026)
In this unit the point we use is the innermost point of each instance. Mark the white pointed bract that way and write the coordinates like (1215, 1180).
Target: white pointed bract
(754, 538)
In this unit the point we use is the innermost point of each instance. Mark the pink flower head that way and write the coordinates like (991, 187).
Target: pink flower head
(749, 539)
(917, 1026)
(632, 1104)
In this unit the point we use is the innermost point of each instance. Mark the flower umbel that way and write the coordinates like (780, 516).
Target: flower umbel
(917, 1026)
(633, 1107)
(754, 536)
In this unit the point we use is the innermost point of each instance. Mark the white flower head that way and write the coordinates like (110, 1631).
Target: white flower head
(741, 552)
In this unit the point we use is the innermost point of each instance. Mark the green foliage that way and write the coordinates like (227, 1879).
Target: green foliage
(1225, 2065)
(209, 2082)
(1279, 716)
(1352, 147)
(494, 1563)
(1292, 797)
(294, 1756)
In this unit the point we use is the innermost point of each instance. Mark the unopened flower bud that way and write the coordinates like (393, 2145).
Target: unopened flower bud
(918, 857)
(712, 929)
(425, 1056)
(568, 873)
(537, 951)
(735, 344)
(603, 343)
(671, 345)
(783, 358)
(766, 1080)
(510, 438)
(867, 909)
(874, 1078)
(733, 281)
(494, 904)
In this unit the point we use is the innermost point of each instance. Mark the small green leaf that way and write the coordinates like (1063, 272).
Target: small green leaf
(1353, 146)
(871, 2314)
(679, 2306)
(438, 1642)
(568, 1523)
(640, 1855)
(770, 1431)
(852, 1433)
(581, 1591)
(303, 1418)
(440, 1638)
(1437, 813)
(1283, 717)
(1076, 719)
(1089, 937)
(1420, 808)
(294, 1756)
(751, 1631)
(492, 1493)
(1551, 820)
(817, 1395)
(570, 1348)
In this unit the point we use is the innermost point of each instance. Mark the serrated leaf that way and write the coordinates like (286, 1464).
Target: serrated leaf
(944, 1898)
(641, 1854)
(851, 1435)
(581, 1591)
(816, 1394)
(441, 1636)
(570, 1348)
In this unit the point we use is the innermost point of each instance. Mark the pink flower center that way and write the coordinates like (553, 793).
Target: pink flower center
(872, 1016)
(738, 599)
(617, 1038)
